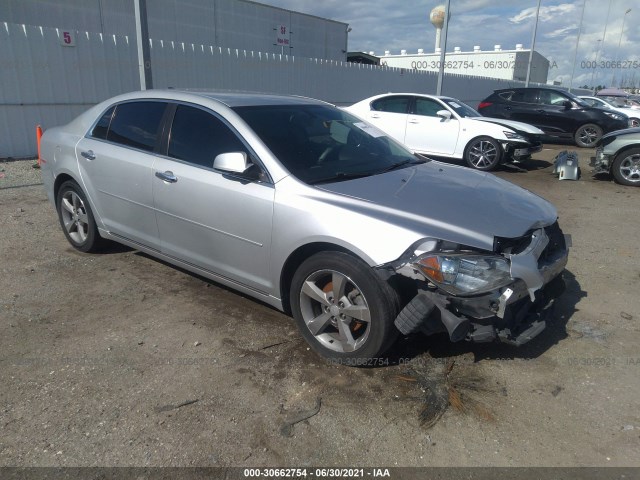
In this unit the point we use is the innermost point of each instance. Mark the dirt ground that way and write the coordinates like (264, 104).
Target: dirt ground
(118, 359)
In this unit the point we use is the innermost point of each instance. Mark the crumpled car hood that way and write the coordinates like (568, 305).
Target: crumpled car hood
(523, 127)
(448, 202)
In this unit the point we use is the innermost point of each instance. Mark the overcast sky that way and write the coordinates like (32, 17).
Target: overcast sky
(380, 25)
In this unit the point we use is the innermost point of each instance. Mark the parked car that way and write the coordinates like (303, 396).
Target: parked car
(618, 153)
(556, 112)
(602, 102)
(446, 127)
(311, 210)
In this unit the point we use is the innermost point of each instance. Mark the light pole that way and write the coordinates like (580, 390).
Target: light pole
(533, 45)
(595, 63)
(575, 57)
(142, 42)
(604, 36)
(624, 17)
(443, 51)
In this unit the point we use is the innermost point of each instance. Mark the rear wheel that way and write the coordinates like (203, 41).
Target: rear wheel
(483, 153)
(588, 135)
(626, 167)
(342, 308)
(76, 218)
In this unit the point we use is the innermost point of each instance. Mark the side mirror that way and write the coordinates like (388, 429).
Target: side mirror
(232, 162)
(445, 114)
(567, 104)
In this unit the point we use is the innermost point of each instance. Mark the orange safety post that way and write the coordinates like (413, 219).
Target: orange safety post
(38, 138)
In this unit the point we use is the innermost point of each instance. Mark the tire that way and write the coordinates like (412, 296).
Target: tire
(76, 218)
(483, 153)
(343, 309)
(626, 167)
(587, 135)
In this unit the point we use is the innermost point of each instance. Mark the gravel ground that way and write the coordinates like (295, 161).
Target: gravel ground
(120, 360)
(18, 173)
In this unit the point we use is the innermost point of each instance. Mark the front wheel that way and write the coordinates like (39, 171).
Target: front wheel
(588, 135)
(76, 218)
(626, 168)
(342, 308)
(483, 153)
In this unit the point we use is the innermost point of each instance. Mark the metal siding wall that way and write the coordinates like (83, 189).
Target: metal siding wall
(48, 84)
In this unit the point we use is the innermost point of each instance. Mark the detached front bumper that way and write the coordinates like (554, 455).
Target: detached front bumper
(514, 314)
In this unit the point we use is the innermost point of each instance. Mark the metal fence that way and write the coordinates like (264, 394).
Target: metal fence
(44, 82)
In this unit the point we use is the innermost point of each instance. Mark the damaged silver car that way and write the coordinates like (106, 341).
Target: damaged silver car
(311, 210)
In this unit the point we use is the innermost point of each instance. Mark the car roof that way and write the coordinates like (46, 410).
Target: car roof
(530, 88)
(229, 98)
(411, 94)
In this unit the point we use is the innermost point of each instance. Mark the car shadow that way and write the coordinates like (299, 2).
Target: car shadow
(114, 247)
(526, 166)
(439, 346)
(207, 281)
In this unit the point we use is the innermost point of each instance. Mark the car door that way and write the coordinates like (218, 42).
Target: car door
(389, 114)
(558, 118)
(115, 161)
(523, 106)
(429, 133)
(213, 220)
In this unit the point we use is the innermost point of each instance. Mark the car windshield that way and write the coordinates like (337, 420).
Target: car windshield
(322, 144)
(460, 108)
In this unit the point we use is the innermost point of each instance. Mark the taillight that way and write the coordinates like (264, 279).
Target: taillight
(484, 105)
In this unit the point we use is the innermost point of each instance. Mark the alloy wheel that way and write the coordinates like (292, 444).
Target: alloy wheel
(335, 311)
(74, 217)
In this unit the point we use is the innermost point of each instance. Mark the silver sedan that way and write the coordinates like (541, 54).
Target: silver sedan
(309, 209)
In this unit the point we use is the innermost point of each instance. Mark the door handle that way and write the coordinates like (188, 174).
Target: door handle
(89, 155)
(541, 111)
(375, 115)
(507, 108)
(167, 176)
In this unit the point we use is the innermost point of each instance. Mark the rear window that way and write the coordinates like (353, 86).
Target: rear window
(136, 124)
(525, 96)
(391, 104)
(102, 127)
(505, 95)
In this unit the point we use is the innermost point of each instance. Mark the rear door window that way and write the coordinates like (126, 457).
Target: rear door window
(136, 124)
(392, 104)
(529, 95)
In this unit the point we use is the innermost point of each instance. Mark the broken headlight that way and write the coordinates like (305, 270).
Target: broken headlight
(513, 136)
(465, 273)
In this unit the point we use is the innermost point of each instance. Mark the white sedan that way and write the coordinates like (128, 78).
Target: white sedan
(632, 113)
(446, 127)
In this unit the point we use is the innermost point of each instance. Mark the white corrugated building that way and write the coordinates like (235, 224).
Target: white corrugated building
(496, 63)
(238, 24)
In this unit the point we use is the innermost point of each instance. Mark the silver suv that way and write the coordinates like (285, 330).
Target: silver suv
(309, 209)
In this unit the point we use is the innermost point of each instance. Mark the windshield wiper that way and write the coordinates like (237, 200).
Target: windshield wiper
(402, 164)
(339, 176)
